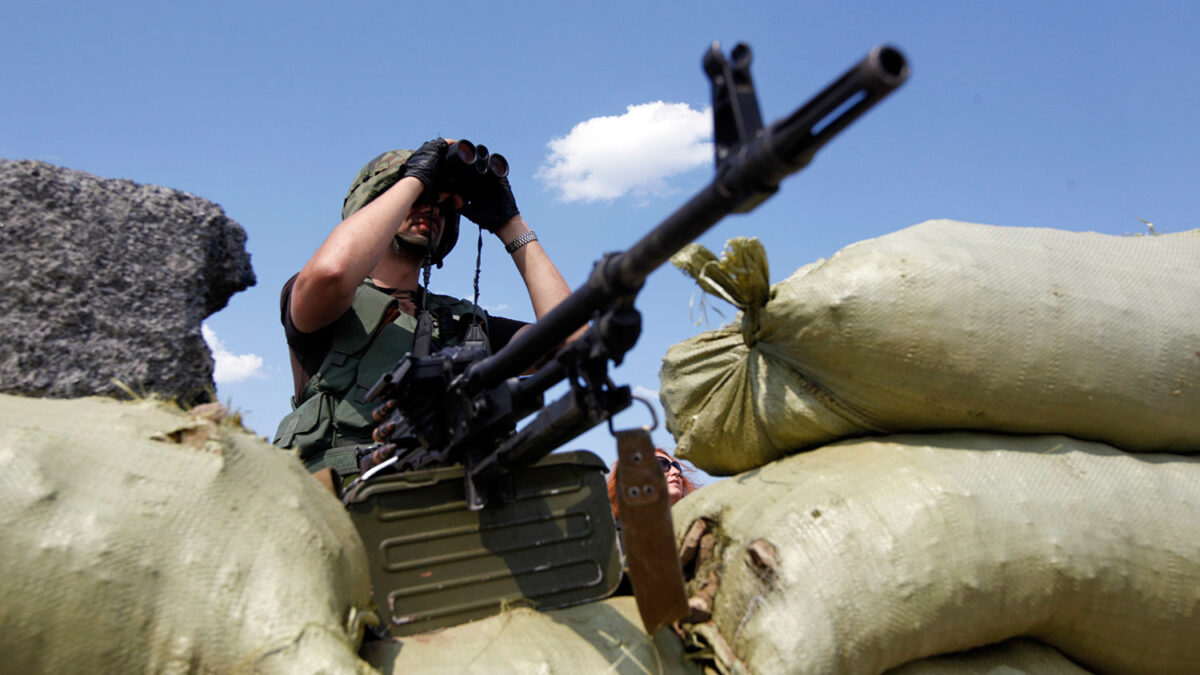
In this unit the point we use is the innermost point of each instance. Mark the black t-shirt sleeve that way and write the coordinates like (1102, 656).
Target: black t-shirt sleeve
(310, 348)
(501, 331)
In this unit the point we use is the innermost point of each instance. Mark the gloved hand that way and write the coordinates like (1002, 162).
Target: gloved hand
(426, 163)
(491, 203)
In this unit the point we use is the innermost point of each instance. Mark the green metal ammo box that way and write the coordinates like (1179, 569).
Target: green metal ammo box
(547, 540)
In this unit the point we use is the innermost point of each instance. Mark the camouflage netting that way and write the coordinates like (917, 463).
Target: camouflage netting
(601, 637)
(865, 555)
(136, 539)
(944, 325)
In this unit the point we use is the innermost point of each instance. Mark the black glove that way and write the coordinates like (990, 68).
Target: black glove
(425, 164)
(491, 203)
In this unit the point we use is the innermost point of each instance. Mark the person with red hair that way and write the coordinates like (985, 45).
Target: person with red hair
(679, 483)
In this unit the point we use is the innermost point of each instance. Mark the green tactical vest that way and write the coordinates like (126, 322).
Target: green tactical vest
(333, 411)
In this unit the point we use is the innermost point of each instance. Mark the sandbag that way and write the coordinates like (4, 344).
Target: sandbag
(138, 539)
(944, 325)
(864, 555)
(1019, 656)
(600, 637)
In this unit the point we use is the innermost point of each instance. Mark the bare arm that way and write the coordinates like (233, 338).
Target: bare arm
(545, 284)
(325, 287)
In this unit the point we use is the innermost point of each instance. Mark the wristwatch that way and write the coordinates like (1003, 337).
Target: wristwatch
(520, 241)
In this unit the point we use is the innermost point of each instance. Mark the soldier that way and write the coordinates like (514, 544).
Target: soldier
(350, 313)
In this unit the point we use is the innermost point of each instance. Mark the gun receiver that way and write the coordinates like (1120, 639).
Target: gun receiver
(475, 420)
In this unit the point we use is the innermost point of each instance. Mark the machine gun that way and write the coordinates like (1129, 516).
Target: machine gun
(461, 406)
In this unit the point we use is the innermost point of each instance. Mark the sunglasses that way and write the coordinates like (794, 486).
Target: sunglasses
(666, 464)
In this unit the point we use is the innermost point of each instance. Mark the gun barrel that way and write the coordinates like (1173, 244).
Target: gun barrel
(744, 179)
(798, 136)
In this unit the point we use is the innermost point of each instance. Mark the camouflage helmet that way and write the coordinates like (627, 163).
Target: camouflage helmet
(382, 173)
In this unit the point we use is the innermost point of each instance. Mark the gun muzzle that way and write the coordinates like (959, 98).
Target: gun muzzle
(795, 139)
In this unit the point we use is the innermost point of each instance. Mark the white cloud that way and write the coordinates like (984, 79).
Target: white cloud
(230, 367)
(644, 392)
(608, 157)
(651, 395)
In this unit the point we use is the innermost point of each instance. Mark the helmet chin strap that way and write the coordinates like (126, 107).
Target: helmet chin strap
(415, 246)
(475, 334)
(421, 248)
(423, 336)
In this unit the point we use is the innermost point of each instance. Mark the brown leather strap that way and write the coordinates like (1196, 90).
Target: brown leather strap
(647, 533)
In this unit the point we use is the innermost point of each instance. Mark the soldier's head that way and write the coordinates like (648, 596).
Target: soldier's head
(440, 219)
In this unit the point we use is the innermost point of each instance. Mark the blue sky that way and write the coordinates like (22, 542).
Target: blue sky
(1076, 115)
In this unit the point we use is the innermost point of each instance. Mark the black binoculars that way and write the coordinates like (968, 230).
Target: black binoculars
(468, 167)
(465, 155)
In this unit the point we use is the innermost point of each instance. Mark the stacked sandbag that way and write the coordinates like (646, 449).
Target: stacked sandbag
(944, 325)
(865, 555)
(1018, 656)
(600, 637)
(137, 538)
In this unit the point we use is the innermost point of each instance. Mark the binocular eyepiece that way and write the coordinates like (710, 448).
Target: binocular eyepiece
(466, 155)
